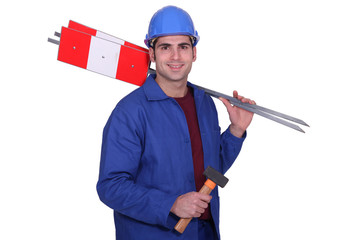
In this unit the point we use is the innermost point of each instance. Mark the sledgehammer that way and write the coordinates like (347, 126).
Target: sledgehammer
(213, 178)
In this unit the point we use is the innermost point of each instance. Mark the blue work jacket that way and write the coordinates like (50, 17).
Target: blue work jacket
(146, 161)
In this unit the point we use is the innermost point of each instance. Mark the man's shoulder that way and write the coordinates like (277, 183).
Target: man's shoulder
(133, 100)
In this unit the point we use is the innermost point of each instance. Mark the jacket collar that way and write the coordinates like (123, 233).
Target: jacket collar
(152, 90)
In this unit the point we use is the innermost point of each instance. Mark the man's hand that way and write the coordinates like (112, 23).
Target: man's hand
(190, 205)
(240, 119)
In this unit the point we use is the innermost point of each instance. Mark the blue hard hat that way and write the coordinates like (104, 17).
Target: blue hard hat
(170, 21)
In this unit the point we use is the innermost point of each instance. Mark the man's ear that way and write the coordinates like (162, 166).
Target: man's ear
(194, 54)
(152, 54)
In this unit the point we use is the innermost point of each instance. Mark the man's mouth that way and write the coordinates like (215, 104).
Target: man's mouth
(175, 66)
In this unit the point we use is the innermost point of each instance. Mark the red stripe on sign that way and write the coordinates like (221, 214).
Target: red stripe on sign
(74, 47)
(82, 28)
(133, 66)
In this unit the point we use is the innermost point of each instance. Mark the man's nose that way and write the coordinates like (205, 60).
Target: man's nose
(175, 54)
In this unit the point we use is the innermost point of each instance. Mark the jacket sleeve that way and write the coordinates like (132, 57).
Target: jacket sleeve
(120, 160)
(222, 148)
(230, 147)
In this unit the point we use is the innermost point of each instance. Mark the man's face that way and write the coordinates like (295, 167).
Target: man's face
(173, 56)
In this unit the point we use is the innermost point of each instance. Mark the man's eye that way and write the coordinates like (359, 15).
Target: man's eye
(184, 47)
(164, 48)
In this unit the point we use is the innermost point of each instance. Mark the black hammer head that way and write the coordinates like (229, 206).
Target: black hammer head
(215, 176)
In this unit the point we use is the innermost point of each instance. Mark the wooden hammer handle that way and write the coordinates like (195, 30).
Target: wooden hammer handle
(183, 222)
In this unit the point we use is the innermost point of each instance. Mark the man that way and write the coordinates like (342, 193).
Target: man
(161, 137)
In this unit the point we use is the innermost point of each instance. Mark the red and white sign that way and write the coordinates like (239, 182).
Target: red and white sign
(105, 55)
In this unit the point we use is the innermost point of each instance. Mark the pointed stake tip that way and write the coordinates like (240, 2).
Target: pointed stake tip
(302, 123)
(299, 129)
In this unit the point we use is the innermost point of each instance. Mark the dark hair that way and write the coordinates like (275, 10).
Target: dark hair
(153, 42)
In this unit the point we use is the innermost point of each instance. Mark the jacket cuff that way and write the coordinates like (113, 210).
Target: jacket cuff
(167, 219)
(229, 136)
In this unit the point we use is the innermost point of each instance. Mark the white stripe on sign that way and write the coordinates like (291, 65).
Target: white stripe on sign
(109, 37)
(103, 57)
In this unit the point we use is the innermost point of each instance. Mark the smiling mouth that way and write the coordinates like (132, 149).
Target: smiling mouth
(175, 66)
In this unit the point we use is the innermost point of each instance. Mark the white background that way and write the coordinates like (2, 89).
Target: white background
(297, 57)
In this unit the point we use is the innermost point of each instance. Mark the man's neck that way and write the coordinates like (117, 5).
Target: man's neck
(174, 89)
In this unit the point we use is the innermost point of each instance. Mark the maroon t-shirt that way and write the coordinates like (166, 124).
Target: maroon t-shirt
(187, 104)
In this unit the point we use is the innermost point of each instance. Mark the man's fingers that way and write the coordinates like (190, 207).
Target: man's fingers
(191, 204)
(201, 202)
(205, 197)
(235, 94)
(226, 102)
